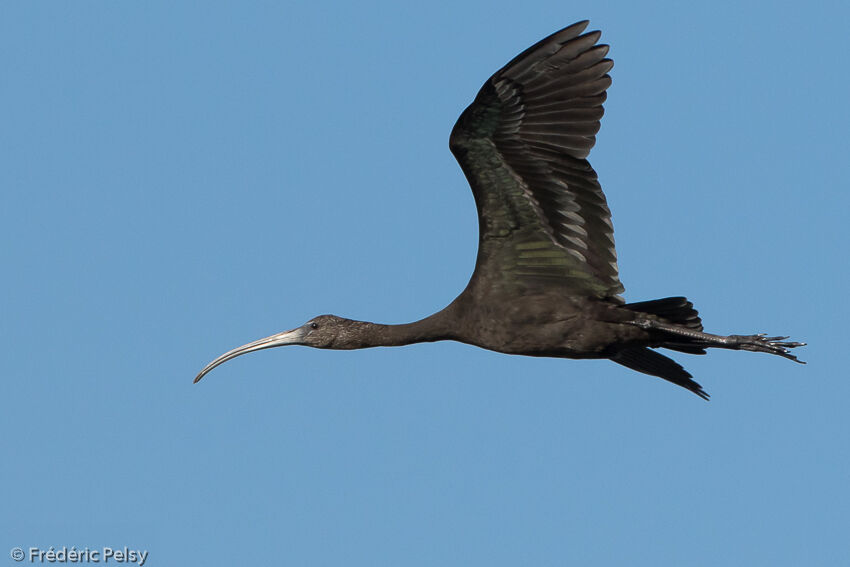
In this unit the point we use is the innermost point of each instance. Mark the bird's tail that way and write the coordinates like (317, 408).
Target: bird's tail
(676, 310)
(676, 325)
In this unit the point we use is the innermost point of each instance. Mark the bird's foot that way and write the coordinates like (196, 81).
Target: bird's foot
(762, 343)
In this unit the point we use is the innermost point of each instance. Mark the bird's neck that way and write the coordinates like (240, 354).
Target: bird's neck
(433, 328)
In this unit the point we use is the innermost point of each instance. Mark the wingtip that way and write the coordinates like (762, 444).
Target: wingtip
(572, 30)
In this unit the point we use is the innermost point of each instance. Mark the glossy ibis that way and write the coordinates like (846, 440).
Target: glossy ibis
(545, 280)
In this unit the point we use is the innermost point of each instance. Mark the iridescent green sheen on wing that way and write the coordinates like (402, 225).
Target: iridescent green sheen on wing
(543, 218)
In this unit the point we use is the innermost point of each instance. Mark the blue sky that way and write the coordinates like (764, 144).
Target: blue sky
(182, 178)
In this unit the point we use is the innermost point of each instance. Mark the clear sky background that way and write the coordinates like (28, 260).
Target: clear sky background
(181, 178)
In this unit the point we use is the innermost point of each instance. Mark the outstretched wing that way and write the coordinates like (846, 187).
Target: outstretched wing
(543, 218)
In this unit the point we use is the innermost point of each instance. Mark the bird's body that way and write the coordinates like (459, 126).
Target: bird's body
(542, 324)
(545, 281)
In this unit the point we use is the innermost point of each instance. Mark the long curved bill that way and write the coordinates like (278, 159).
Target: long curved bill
(292, 337)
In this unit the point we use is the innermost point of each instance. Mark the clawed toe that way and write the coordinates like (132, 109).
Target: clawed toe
(773, 345)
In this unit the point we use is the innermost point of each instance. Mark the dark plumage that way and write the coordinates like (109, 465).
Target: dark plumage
(545, 281)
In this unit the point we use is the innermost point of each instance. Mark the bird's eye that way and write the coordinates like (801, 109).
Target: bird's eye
(314, 325)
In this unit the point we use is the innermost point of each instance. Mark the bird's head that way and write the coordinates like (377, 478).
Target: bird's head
(324, 331)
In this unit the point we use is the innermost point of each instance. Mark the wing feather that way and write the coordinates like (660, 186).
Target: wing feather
(522, 143)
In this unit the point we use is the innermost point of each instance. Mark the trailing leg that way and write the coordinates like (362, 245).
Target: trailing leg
(692, 337)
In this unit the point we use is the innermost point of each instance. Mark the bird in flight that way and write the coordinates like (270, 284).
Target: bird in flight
(545, 280)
